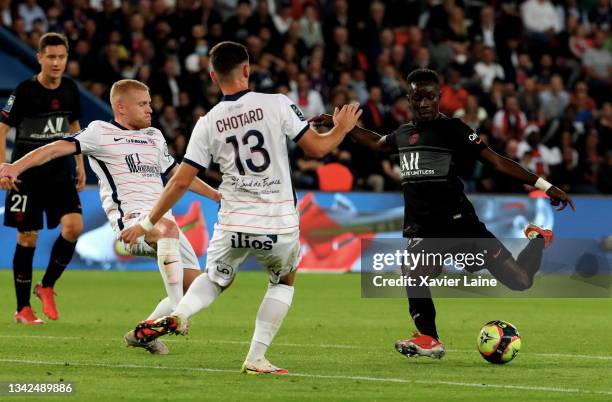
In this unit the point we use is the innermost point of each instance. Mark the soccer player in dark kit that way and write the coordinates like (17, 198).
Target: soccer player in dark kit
(43, 109)
(432, 149)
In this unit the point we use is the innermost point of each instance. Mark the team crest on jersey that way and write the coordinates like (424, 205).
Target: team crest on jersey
(55, 104)
(413, 138)
(9, 104)
(298, 112)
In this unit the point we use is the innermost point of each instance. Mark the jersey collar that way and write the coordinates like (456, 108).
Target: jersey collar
(236, 96)
(114, 123)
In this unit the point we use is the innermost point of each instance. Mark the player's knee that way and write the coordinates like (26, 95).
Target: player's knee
(27, 239)
(72, 231)
(287, 279)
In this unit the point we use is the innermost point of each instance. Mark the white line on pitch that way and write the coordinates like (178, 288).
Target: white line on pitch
(319, 376)
(312, 345)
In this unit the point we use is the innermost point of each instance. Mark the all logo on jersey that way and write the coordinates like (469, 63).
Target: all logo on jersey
(409, 165)
(54, 126)
(136, 166)
(298, 112)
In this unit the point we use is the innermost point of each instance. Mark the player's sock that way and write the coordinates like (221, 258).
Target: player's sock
(272, 311)
(531, 257)
(22, 274)
(169, 263)
(163, 308)
(423, 313)
(201, 293)
(61, 254)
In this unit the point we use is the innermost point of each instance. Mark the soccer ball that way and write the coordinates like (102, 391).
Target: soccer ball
(498, 342)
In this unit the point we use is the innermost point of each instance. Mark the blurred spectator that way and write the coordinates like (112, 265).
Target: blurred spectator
(453, 95)
(509, 122)
(308, 100)
(472, 114)
(601, 15)
(488, 70)
(6, 14)
(283, 18)
(374, 110)
(167, 83)
(31, 12)
(554, 99)
(529, 100)
(540, 19)
(485, 31)
(310, 28)
(536, 156)
(597, 62)
(590, 163)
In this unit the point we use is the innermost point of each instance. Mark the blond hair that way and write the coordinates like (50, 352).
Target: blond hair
(122, 86)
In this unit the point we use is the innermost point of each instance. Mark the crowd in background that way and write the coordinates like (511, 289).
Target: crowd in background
(533, 77)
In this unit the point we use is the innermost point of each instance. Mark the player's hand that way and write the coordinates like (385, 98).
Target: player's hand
(346, 118)
(132, 234)
(8, 177)
(559, 198)
(81, 179)
(322, 120)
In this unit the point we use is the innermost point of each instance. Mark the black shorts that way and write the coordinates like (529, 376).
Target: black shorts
(24, 208)
(465, 234)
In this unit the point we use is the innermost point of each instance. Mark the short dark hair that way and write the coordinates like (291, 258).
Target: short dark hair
(423, 75)
(226, 56)
(52, 39)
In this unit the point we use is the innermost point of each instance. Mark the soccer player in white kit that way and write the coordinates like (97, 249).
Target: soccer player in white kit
(246, 134)
(129, 157)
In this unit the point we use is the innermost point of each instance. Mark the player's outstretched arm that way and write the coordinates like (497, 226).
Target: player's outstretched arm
(4, 129)
(200, 187)
(176, 187)
(81, 176)
(509, 167)
(344, 120)
(37, 157)
(360, 135)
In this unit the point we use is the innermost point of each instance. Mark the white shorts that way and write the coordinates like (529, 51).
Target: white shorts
(189, 259)
(279, 254)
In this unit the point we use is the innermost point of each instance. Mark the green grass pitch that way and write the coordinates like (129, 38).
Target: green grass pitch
(337, 345)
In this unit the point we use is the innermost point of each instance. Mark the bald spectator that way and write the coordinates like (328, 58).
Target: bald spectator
(488, 70)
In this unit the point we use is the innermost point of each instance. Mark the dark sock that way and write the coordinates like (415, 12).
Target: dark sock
(422, 310)
(531, 257)
(22, 274)
(61, 254)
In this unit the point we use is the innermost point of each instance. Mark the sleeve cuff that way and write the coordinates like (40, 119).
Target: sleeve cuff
(301, 133)
(194, 164)
(76, 142)
(169, 169)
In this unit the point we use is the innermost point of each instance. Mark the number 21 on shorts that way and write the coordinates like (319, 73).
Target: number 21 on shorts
(18, 203)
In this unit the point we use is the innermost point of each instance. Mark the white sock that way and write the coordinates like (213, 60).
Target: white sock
(170, 267)
(272, 311)
(201, 293)
(164, 308)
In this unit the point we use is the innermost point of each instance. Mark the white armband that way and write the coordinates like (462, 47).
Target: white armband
(542, 184)
(146, 224)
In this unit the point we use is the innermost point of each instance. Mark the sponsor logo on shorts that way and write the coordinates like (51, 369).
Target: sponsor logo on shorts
(243, 240)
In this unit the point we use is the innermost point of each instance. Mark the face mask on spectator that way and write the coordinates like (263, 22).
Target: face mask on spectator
(201, 50)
